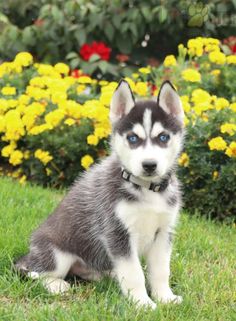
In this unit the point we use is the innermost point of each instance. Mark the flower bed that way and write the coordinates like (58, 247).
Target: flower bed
(54, 123)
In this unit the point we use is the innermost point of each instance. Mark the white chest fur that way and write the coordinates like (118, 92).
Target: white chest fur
(143, 218)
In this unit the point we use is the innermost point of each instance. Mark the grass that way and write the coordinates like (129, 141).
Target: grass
(203, 270)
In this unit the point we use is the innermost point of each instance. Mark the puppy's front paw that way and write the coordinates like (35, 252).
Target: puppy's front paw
(146, 303)
(167, 296)
(176, 299)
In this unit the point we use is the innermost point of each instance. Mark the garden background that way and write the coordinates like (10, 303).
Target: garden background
(60, 62)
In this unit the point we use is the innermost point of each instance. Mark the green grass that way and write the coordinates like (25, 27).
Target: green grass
(203, 270)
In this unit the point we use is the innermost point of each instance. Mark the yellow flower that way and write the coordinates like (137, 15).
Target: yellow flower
(228, 128)
(48, 171)
(141, 88)
(69, 121)
(231, 59)
(196, 46)
(24, 59)
(16, 157)
(135, 75)
(217, 57)
(103, 82)
(185, 102)
(39, 129)
(191, 75)
(87, 161)
(62, 68)
(144, 70)
(8, 150)
(233, 107)
(22, 180)
(215, 175)
(84, 80)
(205, 117)
(217, 143)
(80, 89)
(231, 150)
(92, 140)
(221, 103)
(54, 117)
(8, 91)
(201, 97)
(170, 61)
(43, 156)
(215, 72)
(183, 160)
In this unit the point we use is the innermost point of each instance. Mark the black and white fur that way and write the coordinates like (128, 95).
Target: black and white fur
(104, 224)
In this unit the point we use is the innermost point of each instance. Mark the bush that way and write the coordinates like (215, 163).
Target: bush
(54, 30)
(54, 123)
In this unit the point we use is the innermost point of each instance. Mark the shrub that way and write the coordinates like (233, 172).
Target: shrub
(54, 122)
(54, 30)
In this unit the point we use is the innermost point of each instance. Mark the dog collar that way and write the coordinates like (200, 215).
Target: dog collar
(155, 187)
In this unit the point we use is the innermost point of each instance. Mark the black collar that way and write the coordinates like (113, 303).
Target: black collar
(155, 187)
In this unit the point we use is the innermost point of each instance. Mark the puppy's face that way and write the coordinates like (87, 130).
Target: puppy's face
(146, 136)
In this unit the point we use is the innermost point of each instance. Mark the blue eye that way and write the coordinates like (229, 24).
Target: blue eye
(133, 139)
(164, 138)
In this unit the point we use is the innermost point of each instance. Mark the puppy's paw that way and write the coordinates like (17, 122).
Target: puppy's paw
(167, 296)
(55, 286)
(176, 299)
(146, 303)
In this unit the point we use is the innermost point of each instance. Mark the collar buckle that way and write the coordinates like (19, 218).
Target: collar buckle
(154, 187)
(125, 175)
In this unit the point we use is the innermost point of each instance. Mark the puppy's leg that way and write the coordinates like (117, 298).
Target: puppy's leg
(158, 259)
(129, 273)
(48, 264)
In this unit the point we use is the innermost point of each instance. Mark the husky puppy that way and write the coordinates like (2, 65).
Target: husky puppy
(121, 209)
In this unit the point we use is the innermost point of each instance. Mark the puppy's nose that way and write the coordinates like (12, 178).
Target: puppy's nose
(149, 166)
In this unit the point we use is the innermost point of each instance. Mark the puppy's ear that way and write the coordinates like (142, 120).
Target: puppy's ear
(169, 101)
(122, 101)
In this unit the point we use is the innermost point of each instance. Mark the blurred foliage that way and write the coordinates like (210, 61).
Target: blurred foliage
(54, 30)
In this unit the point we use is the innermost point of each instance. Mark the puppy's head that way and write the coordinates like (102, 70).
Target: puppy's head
(147, 135)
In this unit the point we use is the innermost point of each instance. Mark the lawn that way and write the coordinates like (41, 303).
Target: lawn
(203, 270)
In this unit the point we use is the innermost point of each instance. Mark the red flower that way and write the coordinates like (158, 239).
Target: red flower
(76, 73)
(122, 58)
(39, 22)
(98, 48)
(231, 43)
(233, 48)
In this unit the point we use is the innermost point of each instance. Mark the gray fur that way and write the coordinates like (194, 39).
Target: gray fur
(84, 223)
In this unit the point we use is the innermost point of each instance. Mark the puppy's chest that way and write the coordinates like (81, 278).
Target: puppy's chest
(143, 219)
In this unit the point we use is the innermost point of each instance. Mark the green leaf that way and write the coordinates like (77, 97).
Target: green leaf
(146, 13)
(117, 21)
(123, 45)
(94, 58)
(80, 36)
(89, 68)
(57, 14)
(103, 66)
(72, 55)
(74, 63)
(28, 36)
(3, 18)
(163, 14)
(109, 31)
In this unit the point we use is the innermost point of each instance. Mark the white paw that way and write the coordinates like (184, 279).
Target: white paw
(170, 298)
(55, 286)
(146, 303)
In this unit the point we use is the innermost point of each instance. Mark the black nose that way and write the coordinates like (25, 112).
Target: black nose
(149, 166)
